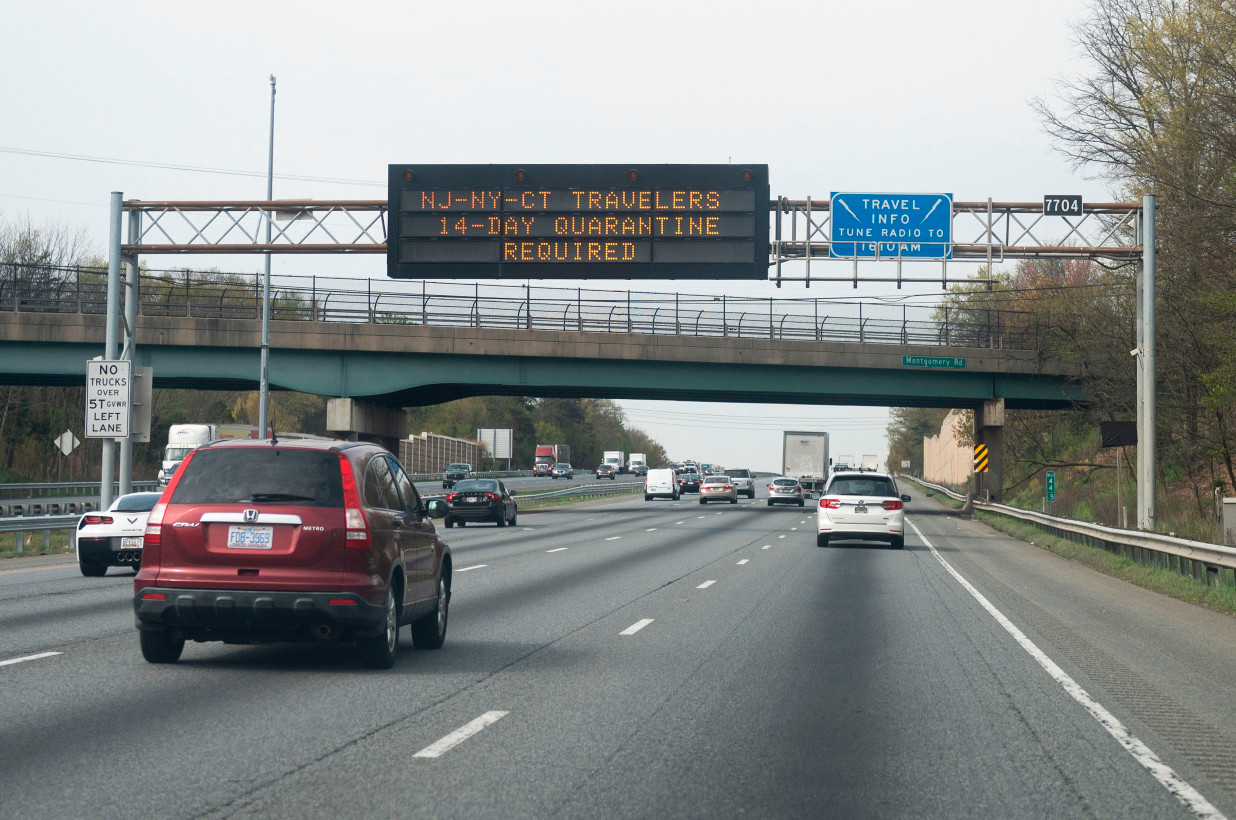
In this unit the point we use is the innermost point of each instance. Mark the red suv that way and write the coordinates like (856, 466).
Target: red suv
(296, 540)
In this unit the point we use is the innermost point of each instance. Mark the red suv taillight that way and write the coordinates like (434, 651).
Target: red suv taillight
(356, 524)
(891, 505)
(492, 497)
(152, 539)
(97, 519)
(451, 497)
(830, 503)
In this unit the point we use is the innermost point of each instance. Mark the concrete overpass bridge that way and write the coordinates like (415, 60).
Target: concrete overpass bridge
(399, 344)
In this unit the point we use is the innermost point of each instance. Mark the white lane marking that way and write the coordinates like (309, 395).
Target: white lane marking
(699, 516)
(474, 566)
(781, 536)
(1142, 753)
(793, 529)
(25, 658)
(558, 549)
(441, 747)
(706, 585)
(766, 546)
(651, 529)
(743, 561)
(680, 522)
(613, 538)
(636, 627)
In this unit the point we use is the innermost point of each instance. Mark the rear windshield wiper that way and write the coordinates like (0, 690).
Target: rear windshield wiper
(260, 497)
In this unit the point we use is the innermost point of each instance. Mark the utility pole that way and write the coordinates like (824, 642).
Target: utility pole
(264, 390)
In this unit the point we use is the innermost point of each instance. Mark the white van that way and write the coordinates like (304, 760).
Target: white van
(660, 483)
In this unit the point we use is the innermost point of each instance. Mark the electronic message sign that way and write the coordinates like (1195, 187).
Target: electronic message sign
(578, 221)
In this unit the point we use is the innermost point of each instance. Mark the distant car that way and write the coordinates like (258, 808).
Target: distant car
(456, 472)
(607, 471)
(302, 540)
(861, 505)
(706, 470)
(689, 482)
(744, 481)
(481, 499)
(785, 491)
(640, 470)
(562, 470)
(718, 488)
(113, 537)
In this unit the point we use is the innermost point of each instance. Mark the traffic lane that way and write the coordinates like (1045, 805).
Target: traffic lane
(1165, 668)
(598, 589)
(218, 714)
(538, 484)
(780, 680)
(54, 607)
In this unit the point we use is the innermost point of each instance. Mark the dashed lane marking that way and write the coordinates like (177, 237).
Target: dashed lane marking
(743, 561)
(441, 747)
(706, 585)
(558, 549)
(25, 658)
(636, 627)
(613, 538)
(474, 566)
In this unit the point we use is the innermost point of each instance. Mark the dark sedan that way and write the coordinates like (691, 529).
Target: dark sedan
(607, 471)
(689, 482)
(481, 499)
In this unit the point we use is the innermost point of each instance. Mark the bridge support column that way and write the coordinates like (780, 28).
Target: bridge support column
(357, 421)
(989, 430)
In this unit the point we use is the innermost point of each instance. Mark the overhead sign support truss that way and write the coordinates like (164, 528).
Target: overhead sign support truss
(985, 232)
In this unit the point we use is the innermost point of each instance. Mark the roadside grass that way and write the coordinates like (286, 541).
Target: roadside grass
(32, 544)
(1162, 581)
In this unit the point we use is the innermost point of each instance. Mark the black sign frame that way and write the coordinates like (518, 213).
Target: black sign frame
(579, 222)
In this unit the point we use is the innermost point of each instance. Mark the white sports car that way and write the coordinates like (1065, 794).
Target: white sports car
(113, 537)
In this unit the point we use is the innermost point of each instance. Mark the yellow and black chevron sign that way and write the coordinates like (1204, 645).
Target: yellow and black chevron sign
(980, 458)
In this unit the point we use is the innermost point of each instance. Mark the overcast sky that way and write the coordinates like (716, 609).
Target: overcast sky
(870, 96)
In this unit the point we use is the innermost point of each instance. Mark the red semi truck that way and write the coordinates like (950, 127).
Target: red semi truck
(547, 455)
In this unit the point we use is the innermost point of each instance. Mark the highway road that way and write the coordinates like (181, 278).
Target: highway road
(649, 659)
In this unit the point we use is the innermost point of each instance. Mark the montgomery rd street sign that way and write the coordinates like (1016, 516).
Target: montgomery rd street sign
(891, 226)
(933, 361)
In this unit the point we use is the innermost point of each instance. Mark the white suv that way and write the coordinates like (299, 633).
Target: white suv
(743, 481)
(863, 505)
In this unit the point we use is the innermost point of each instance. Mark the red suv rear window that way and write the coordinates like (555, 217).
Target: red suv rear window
(266, 475)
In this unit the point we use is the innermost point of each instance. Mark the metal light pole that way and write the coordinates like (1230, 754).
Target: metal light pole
(264, 390)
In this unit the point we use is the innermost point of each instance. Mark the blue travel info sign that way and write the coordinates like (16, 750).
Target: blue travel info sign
(888, 226)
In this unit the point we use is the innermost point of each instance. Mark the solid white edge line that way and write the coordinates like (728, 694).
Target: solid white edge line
(25, 658)
(1143, 754)
(558, 549)
(636, 627)
(706, 585)
(440, 747)
(474, 566)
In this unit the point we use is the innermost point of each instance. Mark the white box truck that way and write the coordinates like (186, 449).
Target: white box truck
(636, 460)
(804, 454)
(616, 458)
(182, 439)
(872, 463)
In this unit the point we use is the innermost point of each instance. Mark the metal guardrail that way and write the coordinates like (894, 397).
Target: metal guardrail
(1199, 560)
(60, 489)
(47, 524)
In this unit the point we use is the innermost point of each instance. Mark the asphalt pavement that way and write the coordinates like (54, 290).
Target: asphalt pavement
(636, 659)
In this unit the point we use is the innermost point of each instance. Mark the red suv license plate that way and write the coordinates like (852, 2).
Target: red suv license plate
(250, 538)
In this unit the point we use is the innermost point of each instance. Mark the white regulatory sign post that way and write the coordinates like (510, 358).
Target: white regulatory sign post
(109, 386)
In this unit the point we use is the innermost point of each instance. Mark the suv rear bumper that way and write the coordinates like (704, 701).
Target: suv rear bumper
(252, 615)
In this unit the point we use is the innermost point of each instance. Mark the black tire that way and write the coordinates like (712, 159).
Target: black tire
(899, 543)
(770, 502)
(430, 632)
(821, 540)
(703, 501)
(514, 516)
(501, 519)
(379, 652)
(800, 502)
(161, 646)
(92, 570)
(734, 500)
(461, 523)
(751, 493)
(449, 523)
(647, 497)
